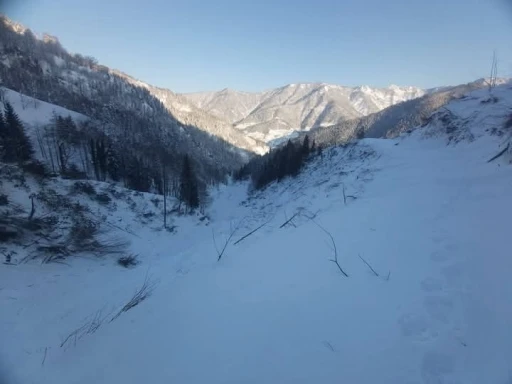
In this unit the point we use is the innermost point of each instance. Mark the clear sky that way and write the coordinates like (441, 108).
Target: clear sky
(251, 45)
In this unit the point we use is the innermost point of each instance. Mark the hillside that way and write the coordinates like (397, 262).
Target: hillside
(125, 108)
(419, 223)
(398, 118)
(278, 112)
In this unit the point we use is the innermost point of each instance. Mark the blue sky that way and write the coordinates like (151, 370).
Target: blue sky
(194, 45)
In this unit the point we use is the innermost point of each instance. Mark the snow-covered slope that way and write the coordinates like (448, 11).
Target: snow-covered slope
(427, 212)
(278, 112)
(36, 113)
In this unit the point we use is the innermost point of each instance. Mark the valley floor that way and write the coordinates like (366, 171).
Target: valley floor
(432, 220)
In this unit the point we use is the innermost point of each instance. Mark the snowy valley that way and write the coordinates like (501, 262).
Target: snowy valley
(383, 261)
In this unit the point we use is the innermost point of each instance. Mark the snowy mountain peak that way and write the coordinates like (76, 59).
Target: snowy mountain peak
(279, 112)
(395, 87)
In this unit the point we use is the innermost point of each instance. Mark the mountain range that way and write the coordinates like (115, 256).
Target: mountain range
(221, 130)
(278, 112)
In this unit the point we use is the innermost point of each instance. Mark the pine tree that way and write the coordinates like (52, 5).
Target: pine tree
(113, 163)
(313, 147)
(188, 185)
(17, 144)
(305, 147)
(360, 133)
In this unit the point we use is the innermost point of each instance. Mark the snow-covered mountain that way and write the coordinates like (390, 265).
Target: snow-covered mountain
(398, 118)
(42, 68)
(420, 224)
(275, 113)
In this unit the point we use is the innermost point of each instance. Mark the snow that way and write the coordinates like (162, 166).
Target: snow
(35, 112)
(58, 60)
(432, 219)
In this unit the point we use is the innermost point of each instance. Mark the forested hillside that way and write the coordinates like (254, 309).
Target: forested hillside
(140, 127)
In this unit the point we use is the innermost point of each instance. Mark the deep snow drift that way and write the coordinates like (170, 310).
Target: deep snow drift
(429, 215)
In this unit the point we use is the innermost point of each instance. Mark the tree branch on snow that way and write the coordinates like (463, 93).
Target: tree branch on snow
(139, 296)
(329, 346)
(335, 250)
(499, 154)
(345, 196)
(44, 357)
(310, 217)
(89, 327)
(226, 243)
(369, 266)
(290, 220)
(254, 230)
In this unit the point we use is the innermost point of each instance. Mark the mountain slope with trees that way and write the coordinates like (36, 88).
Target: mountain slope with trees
(398, 118)
(143, 122)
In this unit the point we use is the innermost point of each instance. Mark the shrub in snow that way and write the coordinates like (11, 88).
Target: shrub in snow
(508, 123)
(491, 99)
(91, 325)
(83, 231)
(103, 198)
(53, 252)
(74, 173)
(128, 261)
(139, 296)
(36, 168)
(84, 187)
(118, 194)
(7, 233)
(13, 174)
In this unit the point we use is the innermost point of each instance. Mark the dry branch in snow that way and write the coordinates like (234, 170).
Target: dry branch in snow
(226, 243)
(254, 230)
(289, 221)
(499, 154)
(369, 266)
(89, 327)
(44, 357)
(335, 250)
(345, 196)
(140, 295)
